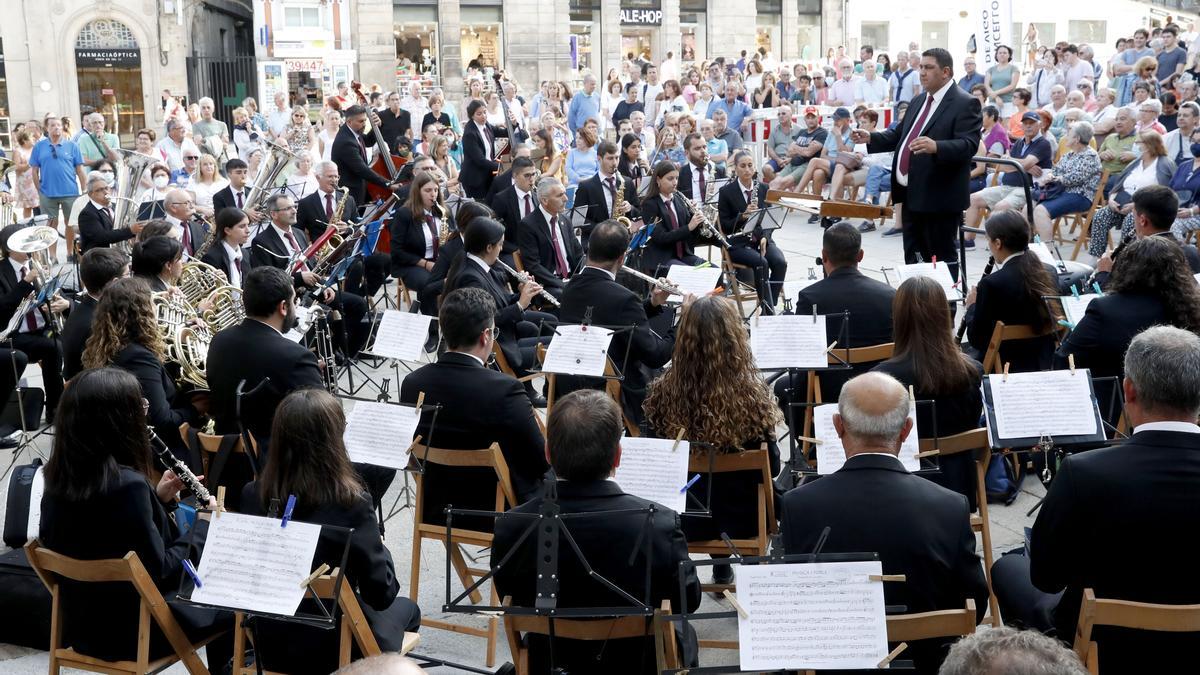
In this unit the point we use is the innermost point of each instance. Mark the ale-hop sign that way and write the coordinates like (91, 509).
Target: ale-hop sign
(641, 17)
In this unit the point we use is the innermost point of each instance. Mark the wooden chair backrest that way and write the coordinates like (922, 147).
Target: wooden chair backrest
(518, 264)
(1001, 334)
(925, 625)
(746, 460)
(957, 443)
(1127, 614)
(612, 387)
(210, 445)
(487, 457)
(857, 355)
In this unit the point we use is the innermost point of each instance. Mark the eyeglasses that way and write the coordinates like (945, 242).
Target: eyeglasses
(286, 208)
(191, 157)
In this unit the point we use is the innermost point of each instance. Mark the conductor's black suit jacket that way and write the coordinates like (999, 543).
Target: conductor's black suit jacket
(937, 182)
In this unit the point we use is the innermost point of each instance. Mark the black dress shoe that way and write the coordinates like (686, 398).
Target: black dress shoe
(507, 669)
(537, 401)
(866, 226)
(722, 574)
(431, 344)
(812, 220)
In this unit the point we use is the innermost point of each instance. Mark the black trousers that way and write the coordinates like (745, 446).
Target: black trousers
(769, 271)
(367, 275)
(12, 364)
(1021, 603)
(48, 354)
(352, 331)
(930, 234)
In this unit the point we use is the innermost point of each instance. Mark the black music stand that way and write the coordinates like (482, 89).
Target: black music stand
(802, 470)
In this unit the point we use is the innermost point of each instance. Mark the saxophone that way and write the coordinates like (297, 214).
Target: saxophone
(619, 200)
(341, 205)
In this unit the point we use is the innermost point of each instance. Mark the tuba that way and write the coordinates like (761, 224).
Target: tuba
(128, 170)
(276, 160)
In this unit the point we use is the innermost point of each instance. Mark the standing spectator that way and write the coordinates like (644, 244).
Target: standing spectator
(585, 104)
(206, 183)
(1002, 79)
(581, 162)
(1173, 58)
(92, 138)
(717, 148)
(626, 108)
(26, 189)
(905, 81)
(1170, 111)
(1075, 68)
(278, 119)
(841, 92)
(883, 66)
(256, 117)
(692, 85)
(247, 137)
(1043, 79)
(612, 97)
(1088, 56)
(1031, 45)
(673, 101)
(870, 89)
(649, 90)
(1179, 140)
(300, 135)
(669, 68)
(210, 133)
(58, 171)
(413, 102)
(972, 77)
(176, 144)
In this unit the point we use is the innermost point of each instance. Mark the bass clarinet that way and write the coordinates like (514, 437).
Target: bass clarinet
(523, 278)
(185, 474)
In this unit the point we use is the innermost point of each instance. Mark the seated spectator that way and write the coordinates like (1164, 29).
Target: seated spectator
(1170, 111)
(1020, 99)
(783, 133)
(979, 93)
(717, 148)
(1142, 488)
(839, 150)
(993, 142)
(1153, 168)
(874, 504)
(1179, 140)
(808, 144)
(1116, 152)
(1012, 652)
(1072, 182)
(1070, 117)
(1147, 116)
(1034, 152)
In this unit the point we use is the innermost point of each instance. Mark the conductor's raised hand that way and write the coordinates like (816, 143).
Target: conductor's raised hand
(860, 136)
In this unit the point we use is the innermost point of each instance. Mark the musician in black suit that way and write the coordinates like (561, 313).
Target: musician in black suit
(157, 260)
(519, 327)
(394, 121)
(479, 164)
(549, 249)
(307, 441)
(1154, 210)
(504, 180)
(515, 203)
(584, 448)
(350, 154)
(696, 173)
(479, 406)
(1013, 293)
(232, 231)
(181, 216)
(416, 228)
(918, 529)
(598, 192)
(1143, 489)
(18, 279)
(96, 270)
(315, 213)
(739, 201)
(278, 245)
(237, 193)
(125, 335)
(676, 227)
(96, 218)
(844, 289)
(100, 504)
(932, 164)
(595, 290)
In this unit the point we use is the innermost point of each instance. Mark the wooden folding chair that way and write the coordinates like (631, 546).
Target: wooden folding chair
(976, 442)
(491, 458)
(853, 356)
(936, 624)
(1084, 220)
(53, 567)
(666, 651)
(1001, 334)
(612, 387)
(353, 631)
(208, 446)
(741, 291)
(1127, 614)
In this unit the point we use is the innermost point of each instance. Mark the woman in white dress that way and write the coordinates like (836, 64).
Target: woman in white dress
(333, 122)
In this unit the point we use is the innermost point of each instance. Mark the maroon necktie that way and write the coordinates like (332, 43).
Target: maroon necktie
(528, 205)
(559, 262)
(433, 233)
(295, 244)
(187, 238)
(239, 199)
(703, 191)
(674, 226)
(905, 153)
(362, 147)
(329, 209)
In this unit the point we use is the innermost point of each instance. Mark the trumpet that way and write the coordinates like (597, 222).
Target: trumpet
(524, 278)
(660, 284)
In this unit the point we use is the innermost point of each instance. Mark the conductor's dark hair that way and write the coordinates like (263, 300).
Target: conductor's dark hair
(1012, 231)
(355, 110)
(150, 256)
(482, 233)
(1159, 204)
(263, 289)
(943, 58)
(840, 244)
(474, 105)
(608, 242)
(101, 428)
(583, 434)
(465, 313)
(100, 266)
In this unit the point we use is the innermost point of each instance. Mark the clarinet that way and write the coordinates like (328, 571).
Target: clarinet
(962, 327)
(172, 462)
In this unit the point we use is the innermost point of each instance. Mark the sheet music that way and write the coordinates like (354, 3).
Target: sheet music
(939, 272)
(576, 351)
(792, 287)
(811, 616)
(831, 454)
(36, 489)
(1042, 251)
(695, 280)
(1056, 402)
(1196, 277)
(380, 434)
(401, 335)
(1074, 307)
(789, 341)
(650, 469)
(296, 334)
(253, 563)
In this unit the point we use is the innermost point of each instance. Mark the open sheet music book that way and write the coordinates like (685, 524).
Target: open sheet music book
(695, 280)
(401, 335)
(380, 433)
(1026, 406)
(789, 341)
(655, 469)
(578, 350)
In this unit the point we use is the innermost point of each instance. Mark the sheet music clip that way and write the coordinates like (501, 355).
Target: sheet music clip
(893, 654)
(1046, 446)
(814, 313)
(1071, 362)
(586, 320)
(736, 605)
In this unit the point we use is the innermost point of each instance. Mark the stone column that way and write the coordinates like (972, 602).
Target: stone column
(833, 26)
(670, 38)
(731, 28)
(789, 42)
(450, 64)
(535, 41)
(607, 52)
(372, 38)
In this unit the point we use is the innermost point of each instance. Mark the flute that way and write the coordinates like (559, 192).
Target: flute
(657, 283)
(524, 278)
(185, 474)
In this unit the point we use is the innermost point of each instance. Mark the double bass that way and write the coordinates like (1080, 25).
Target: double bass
(385, 164)
(505, 156)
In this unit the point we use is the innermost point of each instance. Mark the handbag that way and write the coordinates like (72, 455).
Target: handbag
(1043, 193)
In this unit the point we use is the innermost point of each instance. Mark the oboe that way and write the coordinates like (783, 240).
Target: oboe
(657, 283)
(185, 474)
(524, 278)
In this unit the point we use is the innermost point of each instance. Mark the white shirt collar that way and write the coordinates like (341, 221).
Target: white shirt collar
(545, 214)
(283, 234)
(520, 195)
(1185, 427)
(472, 356)
(941, 93)
(479, 261)
(173, 220)
(17, 267)
(233, 251)
(267, 325)
(97, 205)
(1013, 256)
(608, 272)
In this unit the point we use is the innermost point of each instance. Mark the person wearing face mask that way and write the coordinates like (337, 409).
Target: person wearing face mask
(151, 203)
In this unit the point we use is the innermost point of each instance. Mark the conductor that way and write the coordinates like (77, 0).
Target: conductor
(933, 145)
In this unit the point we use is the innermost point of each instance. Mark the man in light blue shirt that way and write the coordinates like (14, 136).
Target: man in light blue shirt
(735, 108)
(585, 104)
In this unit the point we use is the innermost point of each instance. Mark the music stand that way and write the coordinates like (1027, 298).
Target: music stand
(581, 225)
(801, 468)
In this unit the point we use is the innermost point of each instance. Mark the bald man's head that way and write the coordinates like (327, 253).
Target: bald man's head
(872, 414)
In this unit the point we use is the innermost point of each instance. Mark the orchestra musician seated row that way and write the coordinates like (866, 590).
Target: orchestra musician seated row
(231, 234)
(316, 211)
(739, 201)
(97, 269)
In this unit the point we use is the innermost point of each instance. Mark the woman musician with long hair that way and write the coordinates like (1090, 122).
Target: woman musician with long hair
(308, 460)
(230, 233)
(715, 394)
(1013, 293)
(631, 164)
(673, 240)
(101, 502)
(741, 200)
(416, 230)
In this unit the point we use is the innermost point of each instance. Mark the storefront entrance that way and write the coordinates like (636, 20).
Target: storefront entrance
(109, 73)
